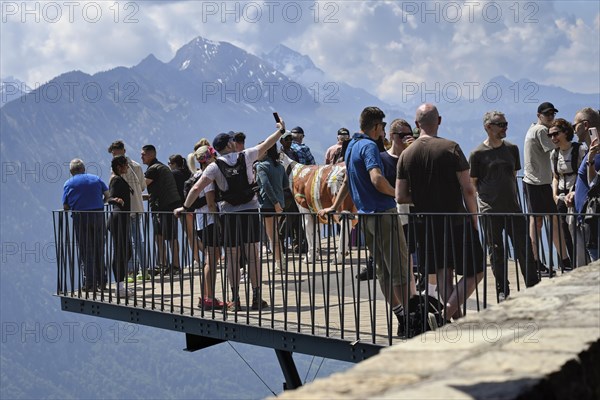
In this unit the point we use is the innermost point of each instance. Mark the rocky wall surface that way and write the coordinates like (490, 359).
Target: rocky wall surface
(542, 343)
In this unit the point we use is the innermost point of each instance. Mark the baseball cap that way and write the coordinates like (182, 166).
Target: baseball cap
(286, 134)
(343, 132)
(546, 106)
(297, 130)
(221, 140)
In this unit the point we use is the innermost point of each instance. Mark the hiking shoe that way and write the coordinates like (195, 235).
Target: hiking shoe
(259, 305)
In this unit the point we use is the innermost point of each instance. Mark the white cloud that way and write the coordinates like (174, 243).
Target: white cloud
(370, 44)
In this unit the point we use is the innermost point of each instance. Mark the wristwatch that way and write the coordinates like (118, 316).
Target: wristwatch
(281, 131)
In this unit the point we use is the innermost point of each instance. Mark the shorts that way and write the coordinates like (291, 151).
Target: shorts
(539, 198)
(455, 245)
(165, 224)
(210, 236)
(386, 243)
(240, 227)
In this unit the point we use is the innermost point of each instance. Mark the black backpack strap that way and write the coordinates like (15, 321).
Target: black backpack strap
(555, 161)
(575, 156)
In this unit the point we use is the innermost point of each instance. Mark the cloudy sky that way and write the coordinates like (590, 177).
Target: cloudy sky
(376, 45)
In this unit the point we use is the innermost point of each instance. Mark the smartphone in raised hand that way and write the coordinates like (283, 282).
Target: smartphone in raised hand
(276, 116)
(593, 134)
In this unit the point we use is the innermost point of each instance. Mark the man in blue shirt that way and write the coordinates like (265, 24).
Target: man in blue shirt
(373, 194)
(86, 192)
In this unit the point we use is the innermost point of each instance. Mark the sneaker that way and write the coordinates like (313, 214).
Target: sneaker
(501, 297)
(171, 270)
(124, 292)
(546, 272)
(130, 278)
(367, 272)
(156, 271)
(234, 306)
(141, 277)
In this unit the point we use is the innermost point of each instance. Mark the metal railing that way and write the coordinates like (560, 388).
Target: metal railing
(163, 265)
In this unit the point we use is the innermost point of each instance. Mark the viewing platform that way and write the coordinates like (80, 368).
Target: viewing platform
(317, 307)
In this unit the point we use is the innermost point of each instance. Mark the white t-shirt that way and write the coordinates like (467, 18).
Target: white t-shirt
(214, 173)
(536, 157)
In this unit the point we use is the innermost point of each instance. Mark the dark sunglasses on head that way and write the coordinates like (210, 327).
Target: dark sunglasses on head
(552, 134)
(500, 124)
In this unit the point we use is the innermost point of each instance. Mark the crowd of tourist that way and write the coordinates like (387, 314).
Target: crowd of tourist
(416, 186)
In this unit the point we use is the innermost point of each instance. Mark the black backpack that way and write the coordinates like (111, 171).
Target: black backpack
(574, 158)
(187, 186)
(240, 191)
(423, 310)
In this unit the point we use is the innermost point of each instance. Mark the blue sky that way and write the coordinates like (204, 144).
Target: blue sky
(376, 45)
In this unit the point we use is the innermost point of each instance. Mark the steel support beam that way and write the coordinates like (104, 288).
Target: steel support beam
(221, 331)
(195, 342)
(288, 367)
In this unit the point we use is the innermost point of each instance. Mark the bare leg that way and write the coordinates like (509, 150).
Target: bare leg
(160, 247)
(253, 265)
(210, 271)
(460, 293)
(233, 270)
(175, 251)
(273, 238)
(535, 229)
(558, 238)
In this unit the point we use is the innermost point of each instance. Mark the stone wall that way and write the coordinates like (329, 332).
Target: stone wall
(542, 343)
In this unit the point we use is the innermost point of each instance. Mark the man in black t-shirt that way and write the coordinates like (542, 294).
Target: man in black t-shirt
(164, 198)
(494, 165)
(433, 174)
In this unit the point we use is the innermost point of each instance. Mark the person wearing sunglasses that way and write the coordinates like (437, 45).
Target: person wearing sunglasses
(494, 165)
(537, 186)
(566, 158)
(588, 229)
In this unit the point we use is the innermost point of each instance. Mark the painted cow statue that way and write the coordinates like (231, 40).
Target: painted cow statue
(314, 188)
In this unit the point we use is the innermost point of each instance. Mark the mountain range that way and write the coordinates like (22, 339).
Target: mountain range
(206, 88)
